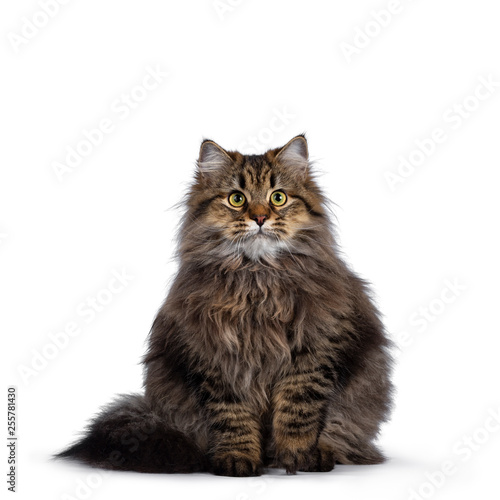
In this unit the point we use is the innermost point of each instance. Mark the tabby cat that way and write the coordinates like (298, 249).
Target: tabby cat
(268, 351)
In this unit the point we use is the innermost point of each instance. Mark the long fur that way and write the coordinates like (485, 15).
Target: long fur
(268, 351)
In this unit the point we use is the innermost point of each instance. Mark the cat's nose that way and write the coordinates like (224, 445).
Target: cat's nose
(260, 219)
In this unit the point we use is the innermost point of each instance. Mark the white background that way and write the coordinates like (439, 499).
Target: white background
(229, 73)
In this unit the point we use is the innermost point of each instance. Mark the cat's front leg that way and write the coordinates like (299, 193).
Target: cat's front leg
(234, 431)
(300, 402)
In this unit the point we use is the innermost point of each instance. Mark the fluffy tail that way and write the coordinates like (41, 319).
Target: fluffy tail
(127, 435)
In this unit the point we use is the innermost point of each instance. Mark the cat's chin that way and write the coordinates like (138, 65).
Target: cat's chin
(261, 245)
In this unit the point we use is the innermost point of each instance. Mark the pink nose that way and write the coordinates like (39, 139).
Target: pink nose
(259, 219)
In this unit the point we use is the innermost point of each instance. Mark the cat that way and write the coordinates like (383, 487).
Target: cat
(268, 351)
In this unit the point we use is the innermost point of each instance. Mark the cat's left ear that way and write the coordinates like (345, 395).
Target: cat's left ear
(295, 155)
(213, 159)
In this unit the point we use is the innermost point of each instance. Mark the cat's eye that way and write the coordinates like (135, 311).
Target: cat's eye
(278, 198)
(237, 199)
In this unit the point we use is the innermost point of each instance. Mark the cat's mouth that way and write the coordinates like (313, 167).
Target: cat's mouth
(260, 233)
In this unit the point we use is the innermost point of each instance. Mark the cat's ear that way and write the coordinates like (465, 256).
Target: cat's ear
(295, 155)
(213, 159)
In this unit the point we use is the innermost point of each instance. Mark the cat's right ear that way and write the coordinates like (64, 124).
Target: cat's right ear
(212, 160)
(294, 154)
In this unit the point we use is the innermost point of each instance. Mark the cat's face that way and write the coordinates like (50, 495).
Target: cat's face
(257, 205)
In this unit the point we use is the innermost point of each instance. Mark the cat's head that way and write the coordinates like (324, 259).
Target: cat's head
(258, 206)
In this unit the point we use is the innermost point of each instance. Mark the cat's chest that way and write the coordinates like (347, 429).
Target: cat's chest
(252, 326)
(256, 300)
(245, 325)
(252, 318)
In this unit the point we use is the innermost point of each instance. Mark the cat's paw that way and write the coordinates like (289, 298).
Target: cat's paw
(292, 461)
(235, 465)
(319, 459)
(322, 459)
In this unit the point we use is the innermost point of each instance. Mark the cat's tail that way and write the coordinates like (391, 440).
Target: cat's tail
(127, 435)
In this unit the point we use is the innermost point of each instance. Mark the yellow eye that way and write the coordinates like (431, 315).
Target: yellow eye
(237, 199)
(278, 198)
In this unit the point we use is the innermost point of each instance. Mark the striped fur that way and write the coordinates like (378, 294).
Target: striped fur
(268, 351)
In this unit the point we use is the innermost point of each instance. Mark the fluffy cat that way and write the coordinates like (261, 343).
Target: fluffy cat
(268, 351)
